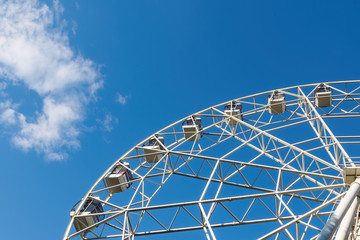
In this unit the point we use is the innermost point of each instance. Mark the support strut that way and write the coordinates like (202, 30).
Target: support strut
(348, 221)
(334, 221)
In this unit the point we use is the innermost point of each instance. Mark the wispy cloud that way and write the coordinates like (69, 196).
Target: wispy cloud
(36, 54)
(74, 27)
(108, 122)
(121, 98)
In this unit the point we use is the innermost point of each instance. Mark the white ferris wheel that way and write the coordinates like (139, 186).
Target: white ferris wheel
(281, 164)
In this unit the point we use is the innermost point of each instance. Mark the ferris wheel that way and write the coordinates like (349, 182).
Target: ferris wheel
(281, 164)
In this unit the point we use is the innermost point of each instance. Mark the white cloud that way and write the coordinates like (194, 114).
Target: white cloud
(7, 115)
(35, 52)
(121, 99)
(74, 27)
(108, 122)
(58, 10)
(54, 127)
(3, 85)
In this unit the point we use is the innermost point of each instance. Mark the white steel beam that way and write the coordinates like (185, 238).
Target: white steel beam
(348, 222)
(334, 221)
(299, 218)
(282, 142)
(322, 130)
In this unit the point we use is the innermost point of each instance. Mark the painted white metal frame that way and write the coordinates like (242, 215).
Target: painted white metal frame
(252, 172)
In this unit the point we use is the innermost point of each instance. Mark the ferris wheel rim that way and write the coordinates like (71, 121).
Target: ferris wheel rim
(181, 120)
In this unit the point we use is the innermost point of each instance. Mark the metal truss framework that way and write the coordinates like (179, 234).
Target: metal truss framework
(279, 171)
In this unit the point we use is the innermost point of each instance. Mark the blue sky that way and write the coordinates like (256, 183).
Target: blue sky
(81, 82)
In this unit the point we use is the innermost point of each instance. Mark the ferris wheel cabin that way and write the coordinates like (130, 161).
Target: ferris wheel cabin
(323, 96)
(152, 149)
(235, 110)
(192, 129)
(85, 218)
(276, 102)
(119, 179)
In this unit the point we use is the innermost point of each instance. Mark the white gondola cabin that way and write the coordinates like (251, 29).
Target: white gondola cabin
(276, 102)
(119, 179)
(235, 110)
(323, 96)
(152, 149)
(350, 174)
(85, 219)
(192, 128)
